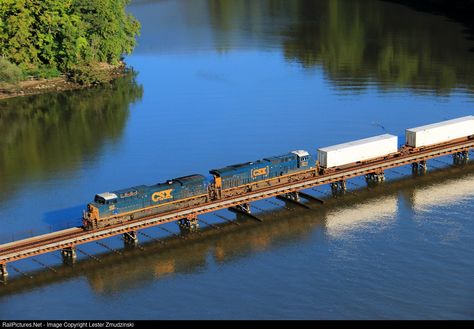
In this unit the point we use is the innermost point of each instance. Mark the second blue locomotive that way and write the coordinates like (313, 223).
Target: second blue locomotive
(245, 174)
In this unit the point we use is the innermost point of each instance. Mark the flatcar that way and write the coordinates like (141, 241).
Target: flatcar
(116, 207)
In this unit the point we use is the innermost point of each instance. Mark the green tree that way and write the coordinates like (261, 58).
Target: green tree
(62, 34)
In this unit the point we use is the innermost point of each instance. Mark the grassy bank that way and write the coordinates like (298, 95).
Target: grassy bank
(100, 73)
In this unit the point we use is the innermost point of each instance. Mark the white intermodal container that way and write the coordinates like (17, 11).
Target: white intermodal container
(359, 150)
(440, 132)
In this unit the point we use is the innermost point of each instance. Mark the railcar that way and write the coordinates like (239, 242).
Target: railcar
(119, 206)
(340, 156)
(250, 176)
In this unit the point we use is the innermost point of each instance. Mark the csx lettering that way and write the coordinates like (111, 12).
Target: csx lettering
(259, 172)
(162, 195)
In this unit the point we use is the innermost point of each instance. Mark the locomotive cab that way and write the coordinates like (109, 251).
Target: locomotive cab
(103, 204)
(303, 158)
(105, 198)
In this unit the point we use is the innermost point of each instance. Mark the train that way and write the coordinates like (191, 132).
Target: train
(117, 207)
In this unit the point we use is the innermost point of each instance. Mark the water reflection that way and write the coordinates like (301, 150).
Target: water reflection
(358, 43)
(40, 135)
(368, 207)
(362, 42)
(380, 210)
(449, 193)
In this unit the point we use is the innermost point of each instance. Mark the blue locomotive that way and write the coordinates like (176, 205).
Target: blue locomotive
(116, 207)
(267, 168)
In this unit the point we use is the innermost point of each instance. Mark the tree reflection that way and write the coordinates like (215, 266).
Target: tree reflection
(364, 41)
(356, 42)
(42, 134)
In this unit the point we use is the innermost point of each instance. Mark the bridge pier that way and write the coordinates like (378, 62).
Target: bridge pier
(338, 187)
(460, 157)
(189, 224)
(244, 207)
(130, 238)
(295, 196)
(3, 271)
(69, 254)
(376, 177)
(419, 167)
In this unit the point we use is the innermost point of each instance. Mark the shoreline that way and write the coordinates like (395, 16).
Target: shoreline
(56, 84)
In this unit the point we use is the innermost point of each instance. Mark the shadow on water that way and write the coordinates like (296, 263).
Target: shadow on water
(64, 218)
(52, 221)
(55, 220)
(189, 253)
(44, 134)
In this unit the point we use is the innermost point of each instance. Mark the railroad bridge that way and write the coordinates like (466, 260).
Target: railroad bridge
(67, 240)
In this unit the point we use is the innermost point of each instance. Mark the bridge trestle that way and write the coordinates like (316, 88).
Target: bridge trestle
(189, 224)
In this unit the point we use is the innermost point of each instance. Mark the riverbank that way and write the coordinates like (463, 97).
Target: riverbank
(58, 84)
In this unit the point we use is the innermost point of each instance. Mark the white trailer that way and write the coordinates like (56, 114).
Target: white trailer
(359, 150)
(440, 132)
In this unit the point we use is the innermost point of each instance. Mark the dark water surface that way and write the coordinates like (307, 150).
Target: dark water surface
(222, 82)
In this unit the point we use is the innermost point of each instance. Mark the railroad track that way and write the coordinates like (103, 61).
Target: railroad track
(75, 236)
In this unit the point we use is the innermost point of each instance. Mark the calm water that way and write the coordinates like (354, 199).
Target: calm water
(222, 82)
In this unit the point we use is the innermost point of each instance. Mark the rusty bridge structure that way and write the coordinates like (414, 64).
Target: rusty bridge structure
(66, 240)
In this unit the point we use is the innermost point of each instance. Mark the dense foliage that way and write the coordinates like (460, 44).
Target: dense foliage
(44, 36)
